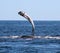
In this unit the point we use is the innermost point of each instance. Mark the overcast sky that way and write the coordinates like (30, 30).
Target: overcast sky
(37, 9)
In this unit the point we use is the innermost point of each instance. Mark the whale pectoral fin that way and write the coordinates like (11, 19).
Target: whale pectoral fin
(33, 32)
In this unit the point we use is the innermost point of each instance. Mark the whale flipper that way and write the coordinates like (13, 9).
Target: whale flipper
(28, 18)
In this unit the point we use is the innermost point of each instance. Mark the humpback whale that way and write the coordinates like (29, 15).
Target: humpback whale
(23, 14)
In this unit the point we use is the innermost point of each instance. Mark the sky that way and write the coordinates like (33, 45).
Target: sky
(36, 9)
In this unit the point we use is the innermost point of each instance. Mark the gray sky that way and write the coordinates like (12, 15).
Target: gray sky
(37, 9)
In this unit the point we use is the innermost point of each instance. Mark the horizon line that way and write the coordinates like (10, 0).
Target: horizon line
(26, 20)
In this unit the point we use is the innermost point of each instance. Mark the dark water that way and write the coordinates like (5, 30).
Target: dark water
(18, 28)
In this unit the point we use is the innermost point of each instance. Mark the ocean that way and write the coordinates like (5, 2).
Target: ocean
(9, 29)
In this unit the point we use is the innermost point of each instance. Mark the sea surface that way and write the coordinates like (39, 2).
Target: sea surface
(13, 29)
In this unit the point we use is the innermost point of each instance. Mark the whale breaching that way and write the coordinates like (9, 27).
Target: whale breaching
(28, 18)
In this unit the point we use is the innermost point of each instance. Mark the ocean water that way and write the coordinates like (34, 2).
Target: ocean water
(36, 45)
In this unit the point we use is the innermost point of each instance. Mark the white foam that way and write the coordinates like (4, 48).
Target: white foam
(27, 38)
(13, 37)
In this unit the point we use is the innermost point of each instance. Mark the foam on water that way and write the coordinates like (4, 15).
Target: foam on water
(31, 37)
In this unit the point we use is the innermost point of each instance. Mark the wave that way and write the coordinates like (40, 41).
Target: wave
(29, 37)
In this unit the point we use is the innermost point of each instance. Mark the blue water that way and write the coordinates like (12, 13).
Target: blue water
(25, 28)
(18, 28)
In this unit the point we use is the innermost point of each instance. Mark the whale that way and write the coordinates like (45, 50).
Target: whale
(23, 14)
